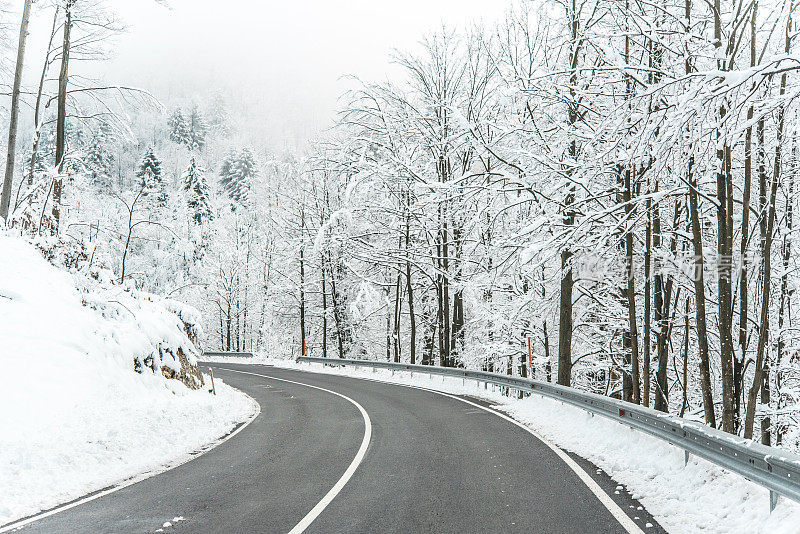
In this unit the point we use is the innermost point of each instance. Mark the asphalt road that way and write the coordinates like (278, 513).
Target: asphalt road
(433, 464)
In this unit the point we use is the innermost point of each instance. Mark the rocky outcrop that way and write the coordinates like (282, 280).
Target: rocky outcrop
(189, 374)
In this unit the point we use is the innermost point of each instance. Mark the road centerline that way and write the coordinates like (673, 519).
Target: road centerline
(309, 518)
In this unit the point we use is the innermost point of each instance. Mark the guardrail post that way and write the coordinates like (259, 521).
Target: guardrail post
(685, 458)
(773, 500)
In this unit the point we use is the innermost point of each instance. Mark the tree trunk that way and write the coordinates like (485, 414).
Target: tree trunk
(246, 288)
(763, 330)
(565, 321)
(398, 309)
(567, 280)
(221, 329)
(429, 322)
(389, 326)
(324, 309)
(633, 326)
(664, 316)
(302, 286)
(37, 122)
(685, 401)
(237, 323)
(738, 362)
(548, 366)
(700, 297)
(228, 326)
(648, 254)
(760, 377)
(446, 326)
(724, 244)
(338, 313)
(457, 337)
(61, 122)
(440, 320)
(412, 320)
(5, 196)
(785, 292)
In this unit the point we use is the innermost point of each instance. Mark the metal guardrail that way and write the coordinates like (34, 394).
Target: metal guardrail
(772, 468)
(229, 354)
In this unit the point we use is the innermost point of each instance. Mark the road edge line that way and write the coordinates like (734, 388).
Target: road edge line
(9, 527)
(627, 523)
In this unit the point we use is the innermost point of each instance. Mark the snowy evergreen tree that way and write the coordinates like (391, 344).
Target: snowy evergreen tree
(99, 160)
(151, 179)
(238, 169)
(196, 129)
(194, 182)
(218, 118)
(78, 136)
(149, 172)
(178, 129)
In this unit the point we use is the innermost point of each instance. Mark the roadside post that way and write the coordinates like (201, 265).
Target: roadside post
(530, 359)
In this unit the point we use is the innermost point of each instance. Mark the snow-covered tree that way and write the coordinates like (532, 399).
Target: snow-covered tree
(218, 116)
(236, 174)
(151, 181)
(196, 187)
(196, 129)
(99, 159)
(178, 128)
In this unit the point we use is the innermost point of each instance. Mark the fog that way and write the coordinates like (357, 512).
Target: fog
(284, 64)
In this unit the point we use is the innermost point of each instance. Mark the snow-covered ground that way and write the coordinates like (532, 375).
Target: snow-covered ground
(74, 415)
(699, 497)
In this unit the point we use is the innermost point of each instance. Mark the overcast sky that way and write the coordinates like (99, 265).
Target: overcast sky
(284, 59)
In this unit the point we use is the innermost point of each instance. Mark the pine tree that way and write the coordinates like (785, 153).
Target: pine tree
(150, 178)
(238, 169)
(196, 129)
(99, 160)
(75, 145)
(218, 119)
(194, 182)
(248, 164)
(178, 129)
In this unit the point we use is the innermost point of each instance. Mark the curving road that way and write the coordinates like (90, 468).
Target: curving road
(332, 454)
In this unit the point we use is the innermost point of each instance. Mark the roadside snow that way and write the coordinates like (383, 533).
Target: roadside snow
(74, 416)
(699, 497)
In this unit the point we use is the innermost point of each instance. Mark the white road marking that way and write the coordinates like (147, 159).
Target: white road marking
(627, 523)
(362, 451)
(131, 481)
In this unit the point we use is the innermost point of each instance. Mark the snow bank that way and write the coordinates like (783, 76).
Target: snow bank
(74, 415)
(699, 497)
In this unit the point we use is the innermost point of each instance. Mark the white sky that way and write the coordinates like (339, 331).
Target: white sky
(283, 59)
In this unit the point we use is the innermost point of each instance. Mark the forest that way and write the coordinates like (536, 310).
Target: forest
(598, 193)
